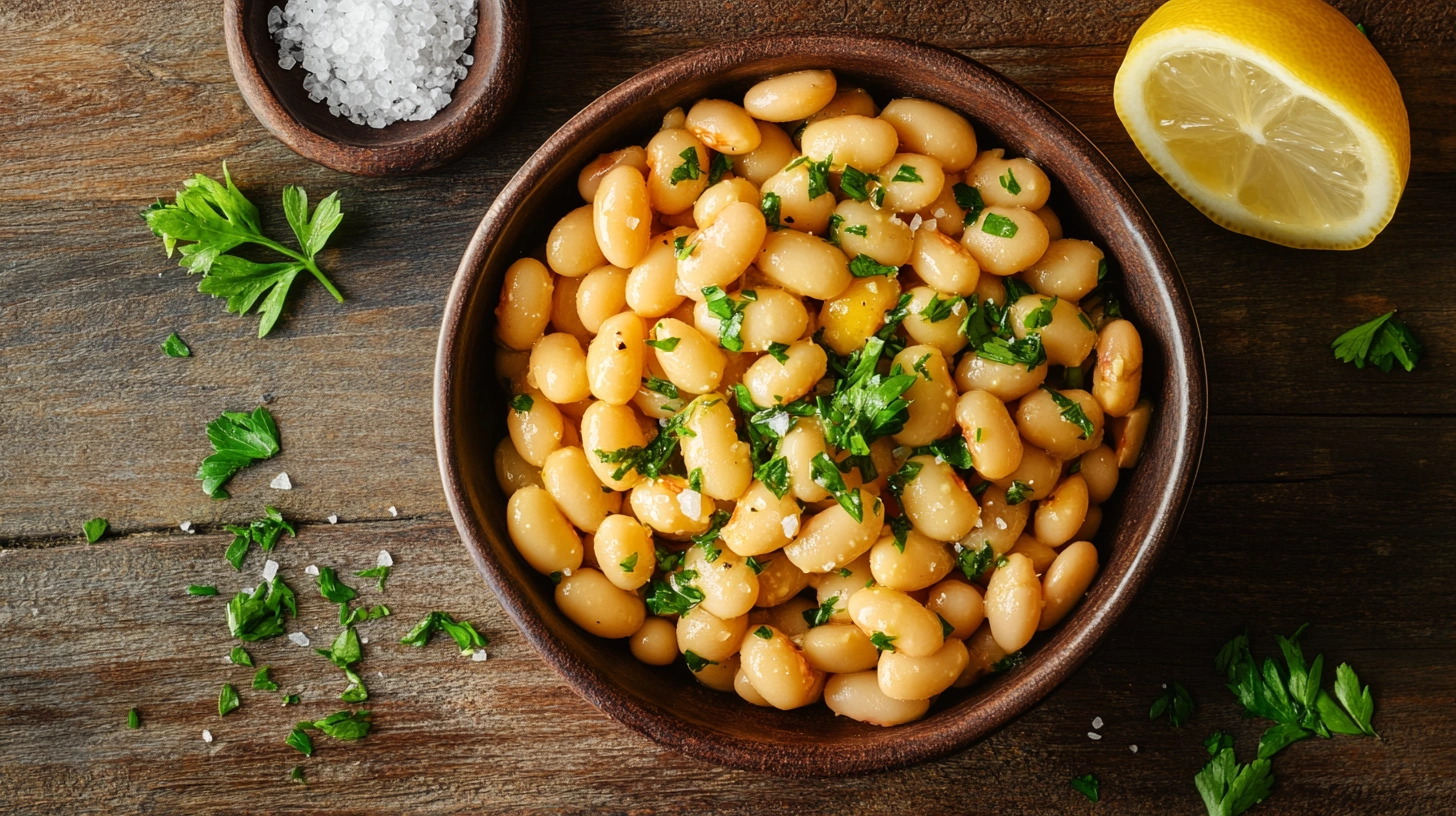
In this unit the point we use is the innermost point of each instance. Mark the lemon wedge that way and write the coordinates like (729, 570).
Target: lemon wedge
(1276, 118)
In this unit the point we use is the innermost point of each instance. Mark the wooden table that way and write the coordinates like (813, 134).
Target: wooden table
(1327, 494)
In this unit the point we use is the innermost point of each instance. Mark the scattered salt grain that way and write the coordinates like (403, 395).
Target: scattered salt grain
(691, 503)
(790, 524)
(311, 569)
(633, 221)
(779, 423)
(376, 62)
(479, 655)
(1000, 523)
(298, 638)
(364, 641)
(384, 559)
(1093, 735)
(916, 222)
(185, 526)
(270, 569)
(1132, 748)
(1096, 722)
(393, 512)
(333, 518)
(930, 224)
(206, 735)
(281, 482)
(248, 590)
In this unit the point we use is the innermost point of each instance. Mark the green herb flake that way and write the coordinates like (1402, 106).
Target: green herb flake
(697, 662)
(1018, 492)
(763, 632)
(720, 166)
(863, 266)
(381, 572)
(290, 699)
(462, 632)
(194, 589)
(771, 206)
(1041, 316)
(779, 351)
(819, 615)
(681, 250)
(862, 230)
(968, 198)
(260, 615)
(240, 657)
(1086, 784)
(262, 681)
(826, 474)
(1228, 788)
(215, 218)
(775, 475)
(174, 347)
(1071, 411)
(1382, 342)
(904, 476)
(939, 309)
(238, 440)
(299, 739)
(1008, 662)
(999, 226)
(865, 404)
(832, 233)
(227, 700)
(844, 572)
(95, 529)
(629, 563)
(975, 562)
(729, 313)
(1010, 185)
(907, 173)
(900, 527)
(521, 403)
(265, 532)
(133, 719)
(345, 725)
(883, 642)
(1176, 702)
(689, 170)
(296, 775)
(855, 182)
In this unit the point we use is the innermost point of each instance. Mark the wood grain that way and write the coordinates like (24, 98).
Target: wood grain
(1326, 493)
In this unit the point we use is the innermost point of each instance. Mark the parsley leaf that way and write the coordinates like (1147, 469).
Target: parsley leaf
(629, 563)
(688, 170)
(1018, 492)
(522, 403)
(969, 199)
(682, 252)
(262, 681)
(1382, 342)
(752, 563)
(999, 226)
(775, 475)
(215, 218)
(720, 166)
(904, 476)
(729, 313)
(674, 595)
(463, 632)
(1086, 784)
(264, 532)
(133, 719)
(95, 529)
(779, 351)
(1176, 702)
(260, 615)
(335, 591)
(832, 233)
(174, 347)
(381, 572)
(818, 173)
(975, 562)
(907, 173)
(1355, 699)
(819, 615)
(900, 530)
(1041, 316)
(863, 266)
(937, 310)
(1229, 788)
(855, 182)
(865, 405)
(1010, 185)
(1008, 662)
(951, 449)
(238, 440)
(706, 538)
(667, 560)
(665, 345)
(299, 739)
(227, 700)
(651, 459)
(345, 725)
(697, 662)
(1072, 412)
(826, 474)
(661, 386)
(771, 206)
(240, 657)
(296, 775)
(883, 642)
(194, 589)
(862, 230)
(763, 632)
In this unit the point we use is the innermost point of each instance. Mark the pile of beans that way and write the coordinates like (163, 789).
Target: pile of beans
(816, 396)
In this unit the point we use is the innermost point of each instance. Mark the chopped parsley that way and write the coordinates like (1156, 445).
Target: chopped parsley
(522, 403)
(999, 226)
(752, 563)
(883, 642)
(1018, 492)
(907, 173)
(299, 739)
(987, 327)
(689, 170)
(720, 166)
(463, 632)
(863, 266)
(779, 351)
(1228, 788)
(681, 250)
(660, 386)
(865, 404)
(264, 532)
(900, 529)
(819, 615)
(695, 480)
(296, 775)
(775, 475)
(675, 595)
(364, 613)
(670, 344)
(763, 632)
(1041, 316)
(381, 572)
(697, 662)
(937, 309)
(1382, 342)
(729, 313)
(707, 538)
(240, 657)
(133, 719)
(629, 563)
(651, 459)
(855, 182)
(238, 440)
(826, 474)
(1087, 783)
(174, 347)
(1012, 186)
(968, 198)
(818, 174)
(262, 681)
(832, 233)
(771, 206)
(194, 589)
(1008, 662)
(945, 626)
(344, 725)
(951, 449)
(667, 560)
(227, 700)
(1072, 412)
(975, 562)
(95, 529)
(862, 230)
(260, 615)
(919, 367)
(335, 591)
(1176, 702)
(904, 476)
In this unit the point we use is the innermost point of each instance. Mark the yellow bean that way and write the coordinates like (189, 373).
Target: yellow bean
(1066, 581)
(840, 585)
(850, 319)
(778, 670)
(664, 155)
(1005, 381)
(525, 304)
(983, 653)
(839, 648)
(718, 255)
(796, 208)
(761, 522)
(775, 150)
(775, 317)
(942, 262)
(903, 677)
(1090, 525)
(855, 140)
(622, 218)
(709, 636)
(1061, 514)
(846, 102)
(652, 284)
(1041, 421)
(802, 443)
(1130, 432)
(878, 233)
(1038, 472)
(718, 676)
(594, 604)
(715, 199)
(606, 427)
(624, 551)
(1003, 249)
(564, 317)
(780, 580)
(991, 435)
(944, 214)
(654, 643)
(997, 177)
(1014, 603)
(771, 382)
(791, 96)
(1099, 470)
(911, 628)
(1052, 222)
(1068, 269)
(1001, 522)
(945, 333)
(745, 689)
(541, 533)
(932, 129)
(715, 448)
(923, 562)
(1068, 338)
(1040, 554)
(572, 483)
(601, 294)
(571, 248)
(558, 367)
(695, 364)
(660, 504)
(857, 696)
(911, 181)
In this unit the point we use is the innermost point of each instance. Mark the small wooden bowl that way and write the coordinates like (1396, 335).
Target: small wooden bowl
(666, 704)
(279, 101)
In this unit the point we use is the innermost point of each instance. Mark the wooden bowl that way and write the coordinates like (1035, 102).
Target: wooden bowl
(666, 704)
(279, 101)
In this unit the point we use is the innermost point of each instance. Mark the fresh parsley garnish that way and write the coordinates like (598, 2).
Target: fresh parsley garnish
(174, 347)
(900, 531)
(522, 403)
(194, 589)
(907, 173)
(669, 344)
(1382, 342)
(344, 652)
(697, 662)
(260, 615)
(883, 642)
(904, 476)
(674, 595)
(968, 198)
(363, 613)
(939, 309)
(463, 632)
(240, 657)
(865, 404)
(826, 474)
(264, 532)
(1228, 788)
(344, 725)
(819, 615)
(832, 233)
(217, 218)
(1010, 185)
(1041, 316)
(951, 449)
(629, 563)
(862, 230)
(1086, 784)
(133, 719)
(729, 313)
(708, 537)
(763, 632)
(752, 563)
(650, 459)
(299, 740)
(1008, 662)
(775, 475)
(818, 173)
(975, 562)
(1018, 492)
(771, 206)
(688, 170)
(1176, 702)
(1071, 411)
(381, 572)
(227, 700)
(855, 182)
(661, 386)
(863, 266)
(335, 591)
(296, 775)
(681, 250)
(999, 226)
(261, 680)
(779, 351)
(95, 529)
(667, 560)
(720, 166)
(695, 480)
(238, 440)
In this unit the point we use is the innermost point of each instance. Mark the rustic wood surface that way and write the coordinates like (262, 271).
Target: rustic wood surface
(1327, 494)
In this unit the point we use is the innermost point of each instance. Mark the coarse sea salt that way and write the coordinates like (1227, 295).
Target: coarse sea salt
(281, 482)
(298, 638)
(790, 524)
(393, 512)
(270, 569)
(1096, 722)
(311, 569)
(206, 735)
(479, 655)
(384, 559)
(376, 62)
(333, 518)
(185, 526)
(691, 504)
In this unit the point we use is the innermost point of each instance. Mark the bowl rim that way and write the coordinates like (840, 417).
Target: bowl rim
(1009, 695)
(429, 150)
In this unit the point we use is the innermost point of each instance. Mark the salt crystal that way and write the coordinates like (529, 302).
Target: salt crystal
(479, 655)
(384, 559)
(365, 641)
(779, 423)
(270, 569)
(311, 569)
(281, 482)
(186, 526)
(1000, 523)
(790, 523)
(333, 518)
(206, 735)
(916, 222)
(691, 503)
(298, 638)
(633, 221)
(1096, 722)
(375, 62)
(1093, 735)
(393, 512)
(1132, 748)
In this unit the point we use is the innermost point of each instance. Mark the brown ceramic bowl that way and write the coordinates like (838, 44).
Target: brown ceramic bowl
(666, 704)
(279, 101)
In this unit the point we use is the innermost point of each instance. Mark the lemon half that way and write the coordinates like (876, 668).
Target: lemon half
(1276, 118)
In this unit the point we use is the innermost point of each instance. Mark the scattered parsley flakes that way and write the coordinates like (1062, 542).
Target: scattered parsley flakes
(670, 344)
(862, 230)
(521, 403)
(855, 182)
(883, 642)
(939, 309)
(1072, 412)
(771, 206)
(264, 532)
(1010, 185)
(865, 405)
(900, 530)
(345, 725)
(1176, 702)
(999, 226)
(752, 563)
(194, 589)
(689, 170)
(95, 529)
(133, 719)
(238, 440)
(819, 615)
(832, 233)
(174, 347)
(720, 166)
(1086, 784)
(240, 657)
(863, 266)
(260, 615)
(763, 632)
(1008, 662)
(826, 474)
(975, 562)
(1018, 492)
(1041, 316)
(296, 775)
(729, 313)
(1382, 342)
(675, 594)
(968, 198)
(629, 563)
(381, 572)
(262, 681)
(463, 632)
(904, 476)
(907, 173)
(778, 351)
(1228, 788)
(697, 662)
(681, 250)
(227, 700)
(818, 174)
(299, 739)
(775, 475)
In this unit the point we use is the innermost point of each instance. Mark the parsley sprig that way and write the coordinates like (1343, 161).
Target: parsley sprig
(1382, 342)
(259, 615)
(865, 405)
(215, 218)
(826, 474)
(264, 532)
(1229, 788)
(238, 440)
(729, 313)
